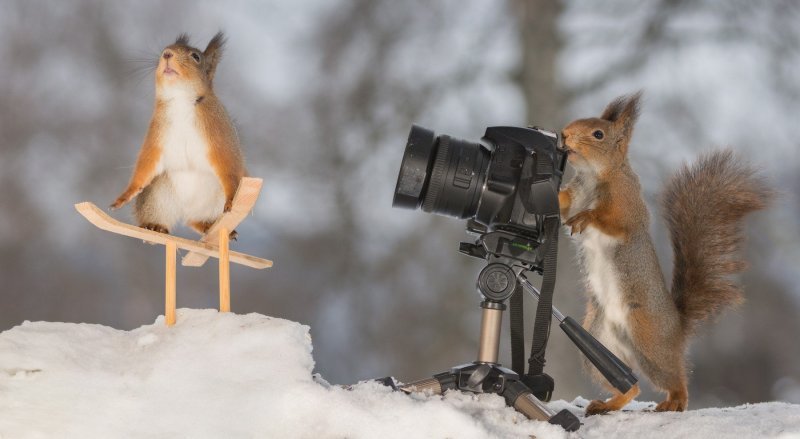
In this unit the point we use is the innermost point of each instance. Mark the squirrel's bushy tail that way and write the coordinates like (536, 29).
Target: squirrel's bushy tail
(704, 206)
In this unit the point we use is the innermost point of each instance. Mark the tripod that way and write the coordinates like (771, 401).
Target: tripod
(496, 282)
(511, 256)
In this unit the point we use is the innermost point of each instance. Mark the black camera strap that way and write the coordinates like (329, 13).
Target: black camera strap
(541, 326)
(517, 323)
(544, 311)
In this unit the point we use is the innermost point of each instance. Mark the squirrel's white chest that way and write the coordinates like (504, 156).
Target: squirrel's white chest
(601, 274)
(185, 159)
(602, 277)
(185, 149)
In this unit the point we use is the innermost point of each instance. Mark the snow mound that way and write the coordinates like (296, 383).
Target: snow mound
(218, 375)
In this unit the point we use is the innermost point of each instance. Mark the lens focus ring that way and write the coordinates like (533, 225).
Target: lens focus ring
(436, 185)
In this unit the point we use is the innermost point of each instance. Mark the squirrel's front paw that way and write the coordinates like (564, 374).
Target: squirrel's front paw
(228, 206)
(125, 198)
(579, 222)
(121, 201)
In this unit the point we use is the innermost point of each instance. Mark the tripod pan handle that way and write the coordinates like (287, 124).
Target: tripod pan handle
(613, 369)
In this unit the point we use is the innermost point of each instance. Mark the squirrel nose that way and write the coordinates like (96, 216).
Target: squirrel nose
(167, 55)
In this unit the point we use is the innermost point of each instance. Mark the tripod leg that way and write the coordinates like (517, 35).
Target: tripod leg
(518, 395)
(431, 385)
(437, 385)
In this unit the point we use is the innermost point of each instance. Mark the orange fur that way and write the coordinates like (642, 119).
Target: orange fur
(201, 227)
(146, 163)
(565, 201)
(226, 161)
(677, 400)
(616, 402)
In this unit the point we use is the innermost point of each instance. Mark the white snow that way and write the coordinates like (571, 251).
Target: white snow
(229, 376)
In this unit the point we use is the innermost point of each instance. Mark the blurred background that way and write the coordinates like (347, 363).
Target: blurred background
(323, 94)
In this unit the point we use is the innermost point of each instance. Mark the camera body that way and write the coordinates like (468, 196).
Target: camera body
(506, 186)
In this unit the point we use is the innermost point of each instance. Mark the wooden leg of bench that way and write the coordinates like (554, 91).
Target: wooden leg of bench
(169, 302)
(224, 271)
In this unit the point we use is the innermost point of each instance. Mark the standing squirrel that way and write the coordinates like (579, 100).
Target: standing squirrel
(190, 164)
(630, 309)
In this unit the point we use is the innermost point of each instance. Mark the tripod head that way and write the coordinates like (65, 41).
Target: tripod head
(509, 254)
(511, 246)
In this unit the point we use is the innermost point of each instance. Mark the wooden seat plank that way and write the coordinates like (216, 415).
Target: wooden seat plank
(103, 221)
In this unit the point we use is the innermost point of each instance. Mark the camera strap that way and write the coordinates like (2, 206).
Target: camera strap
(517, 323)
(541, 325)
(544, 311)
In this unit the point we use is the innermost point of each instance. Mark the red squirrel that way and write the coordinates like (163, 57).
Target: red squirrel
(190, 163)
(629, 308)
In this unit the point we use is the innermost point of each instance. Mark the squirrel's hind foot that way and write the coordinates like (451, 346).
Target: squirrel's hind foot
(672, 405)
(677, 401)
(155, 227)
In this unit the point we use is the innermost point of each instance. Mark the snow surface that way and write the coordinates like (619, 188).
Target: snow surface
(218, 375)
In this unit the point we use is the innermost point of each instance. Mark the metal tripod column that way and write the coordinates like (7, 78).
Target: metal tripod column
(496, 283)
(491, 324)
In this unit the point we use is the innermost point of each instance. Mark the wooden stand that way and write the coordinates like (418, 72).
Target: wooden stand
(224, 271)
(215, 243)
(171, 293)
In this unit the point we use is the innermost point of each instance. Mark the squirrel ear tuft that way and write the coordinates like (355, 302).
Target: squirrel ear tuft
(623, 107)
(183, 39)
(213, 53)
(623, 113)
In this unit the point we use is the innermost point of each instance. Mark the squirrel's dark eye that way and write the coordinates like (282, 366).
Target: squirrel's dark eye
(598, 134)
(196, 57)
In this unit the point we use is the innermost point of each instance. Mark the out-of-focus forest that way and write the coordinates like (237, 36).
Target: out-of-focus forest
(323, 94)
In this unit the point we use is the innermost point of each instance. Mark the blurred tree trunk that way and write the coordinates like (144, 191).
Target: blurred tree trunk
(537, 77)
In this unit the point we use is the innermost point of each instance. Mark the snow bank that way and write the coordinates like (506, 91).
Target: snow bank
(229, 376)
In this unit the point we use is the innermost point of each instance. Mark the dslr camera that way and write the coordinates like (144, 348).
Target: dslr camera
(506, 186)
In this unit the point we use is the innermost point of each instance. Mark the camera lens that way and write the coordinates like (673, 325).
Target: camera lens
(415, 168)
(442, 174)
